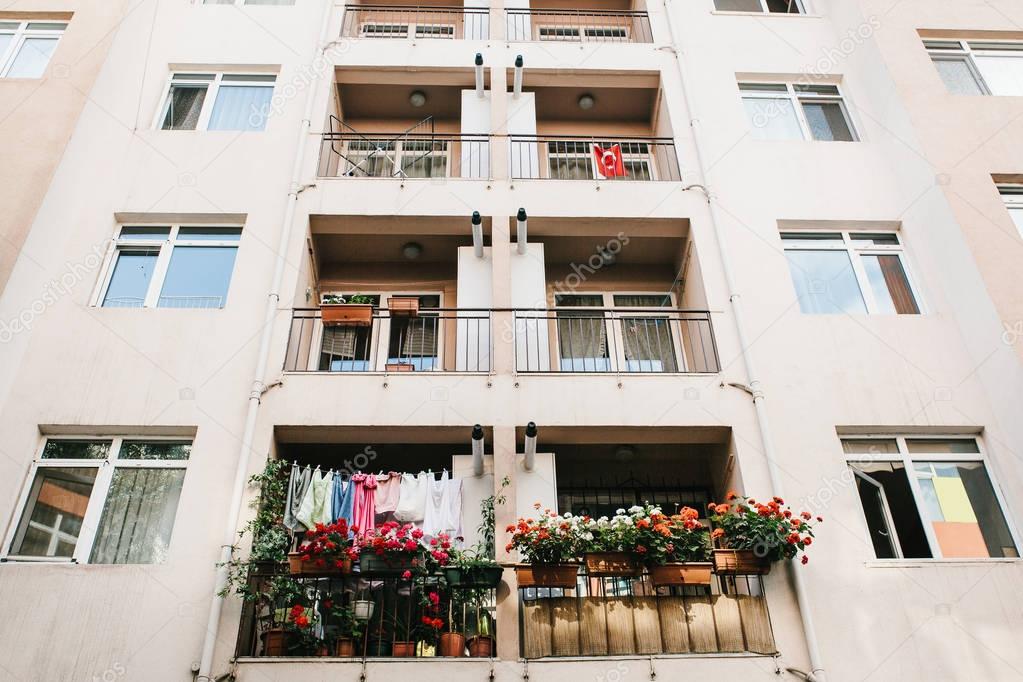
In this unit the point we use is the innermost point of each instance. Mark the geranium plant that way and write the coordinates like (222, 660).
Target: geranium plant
(393, 541)
(771, 530)
(549, 539)
(662, 539)
(328, 545)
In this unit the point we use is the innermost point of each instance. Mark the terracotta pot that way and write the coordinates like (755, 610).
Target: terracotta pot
(610, 563)
(298, 567)
(355, 314)
(452, 644)
(403, 306)
(403, 649)
(691, 573)
(481, 647)
(740, 562)
(345, 647)
(323, 651)
(399, 367)
(275, 642)
(547, 575)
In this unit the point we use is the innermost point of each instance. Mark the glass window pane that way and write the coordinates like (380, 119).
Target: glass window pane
(198, 277)
(868, 446)
(952, 446)
(1016, 213)
(414, 342)
(772, 118)
(154, 233)
(648, 345)
(132, 274)
(52, 519)
(827, 121)
(210, 234)
(786, 6)
(32, 58)
(958, 76)
(811, 239)
(76, 449)
(138, 516)
(574, 300)
(1003, 75)
(825, 282)
(890, 510)
(136, 449)
(241, 107)
(963, 510)
(890, 285)
(738, 5)
(582, 342)
(874, 238)
(5, 42)
(345, 348)
(642, 300)
(184, 104)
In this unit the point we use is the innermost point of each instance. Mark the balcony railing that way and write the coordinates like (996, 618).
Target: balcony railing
(588, 158)
(436, 340)
(401, 155)
(615, 340)
(414, 23)
(572, 25)
(616, 616)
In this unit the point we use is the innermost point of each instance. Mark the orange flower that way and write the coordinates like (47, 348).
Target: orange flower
(718, 532)
(732, 495)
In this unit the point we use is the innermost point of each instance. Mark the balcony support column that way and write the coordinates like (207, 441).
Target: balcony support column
(502, 321)
(498, 115)
(505, 468)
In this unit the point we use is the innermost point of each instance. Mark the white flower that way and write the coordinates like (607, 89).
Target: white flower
(619, 511)
(635, 509)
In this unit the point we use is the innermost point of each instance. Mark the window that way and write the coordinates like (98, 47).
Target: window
(928, 498)
(171, 267)
(977, 67)
(574, 159)
(216, 101)
(26, 47)
(109, 501)
(1012, 195)
(407, 158)
(787, 111)
(850, 272)
(770, 6)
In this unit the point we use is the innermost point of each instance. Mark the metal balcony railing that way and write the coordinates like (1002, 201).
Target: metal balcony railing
(401, 155)
(615, 340)
(569, 157)
(436, 340)
(618, 616)
(574, 25)
(414, 23)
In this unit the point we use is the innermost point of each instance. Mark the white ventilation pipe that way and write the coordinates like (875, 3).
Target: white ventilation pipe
(517, 91)
(763, 421)
(477, 451)
(529, 447)
(479, 75)
(258, 387)
(477, 234)
(520, 232)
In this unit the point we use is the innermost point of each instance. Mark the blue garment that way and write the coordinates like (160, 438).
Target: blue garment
(342, 500)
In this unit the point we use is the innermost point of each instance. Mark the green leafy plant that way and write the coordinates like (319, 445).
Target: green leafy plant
(337, 299)
(770, 530)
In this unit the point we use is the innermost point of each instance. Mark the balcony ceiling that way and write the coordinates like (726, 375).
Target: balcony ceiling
(365, 248)
(639, 250)
(611, 104)
(391, 101)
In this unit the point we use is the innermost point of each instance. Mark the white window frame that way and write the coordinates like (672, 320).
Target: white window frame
(213, 81)
(100, 489)
(380, 331)
(848, 245)
(1012, 197)
(21, 32)
(166, 248)
(966, 51)
(907, 459)
(796, 99)
(764, 9)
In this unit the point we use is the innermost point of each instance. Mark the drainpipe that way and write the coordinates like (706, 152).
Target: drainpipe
(258, 387)
(816, 673)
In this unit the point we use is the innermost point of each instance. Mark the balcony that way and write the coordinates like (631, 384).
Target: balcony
(577, 25)
(564, 157)
(410, 22)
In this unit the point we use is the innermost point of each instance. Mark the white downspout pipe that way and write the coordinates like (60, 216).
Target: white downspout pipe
(262, 358)
(763, 421)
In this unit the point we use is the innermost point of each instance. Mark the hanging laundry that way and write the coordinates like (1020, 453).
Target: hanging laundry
(387, 494)
(342, 499)
(443, 507)
(412, 498)
(298, 485)
(315, 506)
(364, 507)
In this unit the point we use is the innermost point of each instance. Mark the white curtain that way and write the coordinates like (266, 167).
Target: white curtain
(138, 516)
(241, 107)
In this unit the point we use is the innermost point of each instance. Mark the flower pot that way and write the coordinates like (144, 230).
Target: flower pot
(378, 647)
(399, 367)
(689, 573)
(345, 647)
(403, 306)
(481, 647)
(740, 562)
(298, 567)
(363, 609)
(374, 564)
(403, 649)
(610, 563)
(322, 651)
(482, 577)
(275, 642)
(547, 575)
(354, 314)
(452, 644)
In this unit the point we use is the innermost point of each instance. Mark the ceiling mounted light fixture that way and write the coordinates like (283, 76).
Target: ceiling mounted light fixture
(417, 98)
(412, 250)
(586, 102)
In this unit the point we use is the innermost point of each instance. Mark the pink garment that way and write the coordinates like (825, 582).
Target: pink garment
(388, 491)
(365, 503)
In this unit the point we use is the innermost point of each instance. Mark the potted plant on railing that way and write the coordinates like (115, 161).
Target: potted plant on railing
(300, 626)
(452, 641)
(346, 627)
(467, 570)
(403, 306)
(548, 546)
(480, 640)
(392, 549)
(356, 310)
(608, 546)
(325, 550)
(676, 548)
(751, 536)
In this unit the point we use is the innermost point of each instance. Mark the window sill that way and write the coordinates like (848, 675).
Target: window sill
(938, 563)
(726, 13)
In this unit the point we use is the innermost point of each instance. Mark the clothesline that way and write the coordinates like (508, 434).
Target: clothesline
(366, 500)
(379, 474)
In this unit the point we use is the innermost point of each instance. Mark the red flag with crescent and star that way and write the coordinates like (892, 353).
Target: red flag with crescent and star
(609, 161)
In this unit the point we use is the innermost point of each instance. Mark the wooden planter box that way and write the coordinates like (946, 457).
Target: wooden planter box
(403, 306)
(298, 567)
(694, 573)
(611, 563)
(355, 314)
(275, 642)
(399, 367)
(473, 578)
(740, 562)
(547, 575)
(372, 564)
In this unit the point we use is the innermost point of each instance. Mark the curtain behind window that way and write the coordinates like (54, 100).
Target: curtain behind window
(138, 516)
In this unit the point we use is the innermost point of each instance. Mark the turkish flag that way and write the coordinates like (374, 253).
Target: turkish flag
(609, 161)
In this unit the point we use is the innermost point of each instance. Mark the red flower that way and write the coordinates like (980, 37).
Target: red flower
(804, 560)
(407, 575)
(806, 515)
